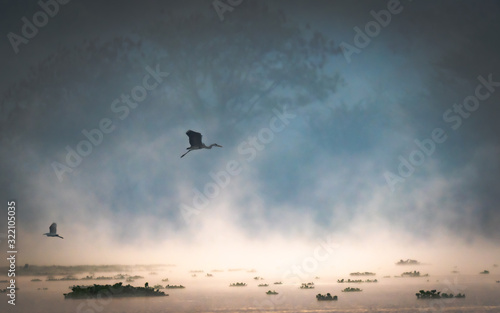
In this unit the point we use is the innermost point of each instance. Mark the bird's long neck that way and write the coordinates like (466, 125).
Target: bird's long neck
(212, 145)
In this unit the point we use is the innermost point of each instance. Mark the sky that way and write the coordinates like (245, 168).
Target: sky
(350, 128)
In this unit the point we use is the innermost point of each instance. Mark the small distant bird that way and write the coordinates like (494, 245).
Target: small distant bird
(195, 142)
(53, 231)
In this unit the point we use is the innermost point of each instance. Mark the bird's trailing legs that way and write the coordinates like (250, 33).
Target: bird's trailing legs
(185, 153)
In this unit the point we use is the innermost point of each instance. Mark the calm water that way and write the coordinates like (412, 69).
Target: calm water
(212, 294)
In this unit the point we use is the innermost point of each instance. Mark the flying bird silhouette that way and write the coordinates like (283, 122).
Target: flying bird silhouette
(53, 231)
(195, 142)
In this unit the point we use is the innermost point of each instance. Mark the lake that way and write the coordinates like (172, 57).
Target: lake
(213, 294)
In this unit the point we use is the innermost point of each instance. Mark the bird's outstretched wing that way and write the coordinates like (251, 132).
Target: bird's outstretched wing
(194, 138)
(53, 228)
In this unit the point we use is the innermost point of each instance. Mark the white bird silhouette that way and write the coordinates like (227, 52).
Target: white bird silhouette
(53, 231)
(195, 142)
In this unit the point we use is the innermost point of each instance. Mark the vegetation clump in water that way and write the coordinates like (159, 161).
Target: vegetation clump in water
(174, 287)
(327, 297)
(116, 291)
(413, 274)
(357, 281)
(433, 294)
(351, 289)
(408, 262)
(307, 286)
(362, 274)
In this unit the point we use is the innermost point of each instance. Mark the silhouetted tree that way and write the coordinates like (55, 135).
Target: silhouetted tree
(230, 71)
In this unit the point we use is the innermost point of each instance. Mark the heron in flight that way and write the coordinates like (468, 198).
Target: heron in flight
(53, 231)
(195, 142)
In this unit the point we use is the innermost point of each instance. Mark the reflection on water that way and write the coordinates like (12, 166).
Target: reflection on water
(213, 294)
